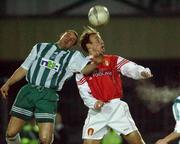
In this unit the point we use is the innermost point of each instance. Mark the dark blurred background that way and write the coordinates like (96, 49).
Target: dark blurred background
(144, 31)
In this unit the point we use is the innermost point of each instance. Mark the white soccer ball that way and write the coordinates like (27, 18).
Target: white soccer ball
(98, 15)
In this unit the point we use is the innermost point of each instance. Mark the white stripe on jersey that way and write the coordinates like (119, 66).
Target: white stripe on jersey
(59, 56)
(42, 69)
(67, 74)
(35, 63)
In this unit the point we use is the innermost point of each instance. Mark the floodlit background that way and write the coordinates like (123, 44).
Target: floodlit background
(144, 31)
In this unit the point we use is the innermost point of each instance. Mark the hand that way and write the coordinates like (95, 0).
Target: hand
(98, 105)
(4, 90)
(146, 74)
(98, 59)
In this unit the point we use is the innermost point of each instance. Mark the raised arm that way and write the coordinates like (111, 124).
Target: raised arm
(89, 68)
(82, 64)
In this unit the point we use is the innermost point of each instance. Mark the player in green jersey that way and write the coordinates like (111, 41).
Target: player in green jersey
(46, 68)
(175, 134)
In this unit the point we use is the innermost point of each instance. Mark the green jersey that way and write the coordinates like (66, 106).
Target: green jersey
(49, 66)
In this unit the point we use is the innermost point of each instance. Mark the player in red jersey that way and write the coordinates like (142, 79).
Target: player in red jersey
(101, 92)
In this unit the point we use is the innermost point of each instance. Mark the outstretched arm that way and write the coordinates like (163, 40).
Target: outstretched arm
(84, 65)
(17, 75)
(133, 70)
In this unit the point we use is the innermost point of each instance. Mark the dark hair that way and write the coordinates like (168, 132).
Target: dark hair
(84, 38)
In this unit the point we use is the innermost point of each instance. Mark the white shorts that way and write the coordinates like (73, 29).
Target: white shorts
(114, 114)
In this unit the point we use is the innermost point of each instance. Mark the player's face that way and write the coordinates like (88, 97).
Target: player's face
(68, 39)
(96, 43)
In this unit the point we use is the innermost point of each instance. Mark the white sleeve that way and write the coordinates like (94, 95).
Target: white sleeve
(176, 113)
(130, 69)
(177, 127)
(85, 91)
(78, 62)
(31, 57)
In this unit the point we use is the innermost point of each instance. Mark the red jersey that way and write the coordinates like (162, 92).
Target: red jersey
(105, 83)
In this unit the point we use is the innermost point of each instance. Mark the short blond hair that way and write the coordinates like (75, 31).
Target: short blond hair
(71, 31)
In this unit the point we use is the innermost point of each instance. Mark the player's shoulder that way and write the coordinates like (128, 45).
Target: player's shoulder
(42, 44)
(111, 57)
(77, 53)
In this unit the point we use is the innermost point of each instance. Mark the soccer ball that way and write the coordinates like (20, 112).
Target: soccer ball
(98, 15)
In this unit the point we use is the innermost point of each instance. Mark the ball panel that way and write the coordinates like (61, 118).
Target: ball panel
(98, 15)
